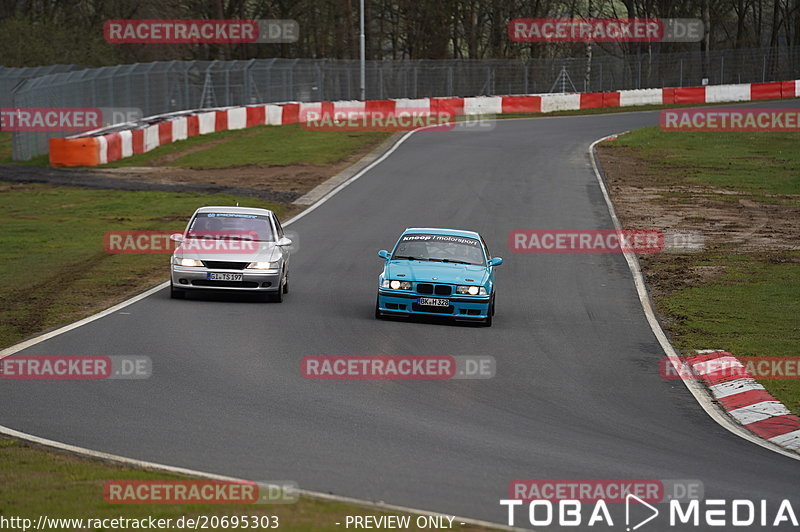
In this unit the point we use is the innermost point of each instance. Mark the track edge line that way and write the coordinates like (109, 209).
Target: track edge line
(153, 466)
(699, 392)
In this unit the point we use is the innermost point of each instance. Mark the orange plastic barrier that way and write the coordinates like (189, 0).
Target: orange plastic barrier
(74, 152)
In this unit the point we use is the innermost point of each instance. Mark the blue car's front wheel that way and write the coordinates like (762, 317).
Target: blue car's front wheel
(490, 312)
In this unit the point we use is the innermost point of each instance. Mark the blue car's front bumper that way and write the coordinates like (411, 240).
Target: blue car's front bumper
(401, 302)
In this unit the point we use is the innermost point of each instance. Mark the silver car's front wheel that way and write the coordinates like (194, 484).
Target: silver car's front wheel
(277, 296)
(176, 293)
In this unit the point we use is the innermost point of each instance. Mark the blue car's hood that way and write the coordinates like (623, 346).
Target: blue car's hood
(445, 272)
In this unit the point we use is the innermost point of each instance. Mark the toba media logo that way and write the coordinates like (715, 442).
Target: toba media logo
(591, 503)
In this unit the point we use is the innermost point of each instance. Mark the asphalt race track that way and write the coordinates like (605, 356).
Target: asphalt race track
(577, 392)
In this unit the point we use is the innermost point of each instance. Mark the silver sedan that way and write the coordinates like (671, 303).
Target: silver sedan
(231, 248)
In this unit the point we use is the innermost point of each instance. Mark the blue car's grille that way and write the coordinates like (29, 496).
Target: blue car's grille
(438, 289)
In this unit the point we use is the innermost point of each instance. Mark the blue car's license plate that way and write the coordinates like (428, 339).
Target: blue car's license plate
(216, 276)
(434, 302)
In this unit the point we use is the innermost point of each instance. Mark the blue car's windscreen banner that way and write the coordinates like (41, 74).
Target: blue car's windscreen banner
(441, 238)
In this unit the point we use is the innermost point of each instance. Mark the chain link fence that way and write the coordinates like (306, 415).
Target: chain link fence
(12, 78)
(162, 87)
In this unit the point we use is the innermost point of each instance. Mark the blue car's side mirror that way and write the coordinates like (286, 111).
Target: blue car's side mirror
(383, 254)
(496, 261)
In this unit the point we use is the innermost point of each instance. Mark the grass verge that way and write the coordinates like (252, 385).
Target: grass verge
(261, 145)
(270, 145)
(55, 267)
(741, 293)
(35, 481)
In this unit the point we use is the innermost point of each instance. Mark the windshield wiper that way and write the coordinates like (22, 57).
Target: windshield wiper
(407, 257)
(452, 260)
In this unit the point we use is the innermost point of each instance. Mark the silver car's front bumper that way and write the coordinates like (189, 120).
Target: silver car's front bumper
(252, 280)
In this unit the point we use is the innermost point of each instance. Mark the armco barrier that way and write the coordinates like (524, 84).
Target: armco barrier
(93, 148)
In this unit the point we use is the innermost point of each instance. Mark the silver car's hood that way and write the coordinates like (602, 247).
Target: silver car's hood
(229, 251)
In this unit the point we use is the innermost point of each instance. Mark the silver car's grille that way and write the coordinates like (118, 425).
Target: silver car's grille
(223, 265)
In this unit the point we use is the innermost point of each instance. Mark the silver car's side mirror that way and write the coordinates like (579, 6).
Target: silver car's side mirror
(176, 237)
(284, 242)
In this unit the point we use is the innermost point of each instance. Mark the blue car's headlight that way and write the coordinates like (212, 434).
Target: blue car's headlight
(396, 285)
(471, 290)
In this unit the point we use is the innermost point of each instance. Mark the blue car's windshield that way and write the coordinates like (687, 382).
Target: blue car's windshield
(440, 248)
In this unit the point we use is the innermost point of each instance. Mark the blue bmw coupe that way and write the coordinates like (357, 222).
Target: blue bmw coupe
(438, 272)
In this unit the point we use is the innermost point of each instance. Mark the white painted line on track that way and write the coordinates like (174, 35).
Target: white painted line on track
(695, 387)
(171, 469)
(190, 472)
(61, 330)
(66, 328)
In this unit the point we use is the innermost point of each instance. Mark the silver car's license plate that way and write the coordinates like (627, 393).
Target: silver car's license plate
(215, 276)
(433, 302)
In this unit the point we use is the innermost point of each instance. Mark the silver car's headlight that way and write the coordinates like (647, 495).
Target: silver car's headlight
(396, 285)
(189, 263)
(260, 265)
(471, 290)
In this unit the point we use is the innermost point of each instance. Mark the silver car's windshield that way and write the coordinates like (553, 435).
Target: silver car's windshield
(227, 226)
(440, 248)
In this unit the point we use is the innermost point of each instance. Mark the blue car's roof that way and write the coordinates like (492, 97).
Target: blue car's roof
(441, 231)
